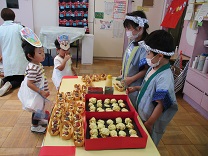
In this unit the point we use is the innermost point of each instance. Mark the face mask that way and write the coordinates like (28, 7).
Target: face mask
(149, 62)
(130, 35)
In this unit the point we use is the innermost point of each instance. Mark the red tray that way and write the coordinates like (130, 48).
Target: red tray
(115, 142)
(108, 96)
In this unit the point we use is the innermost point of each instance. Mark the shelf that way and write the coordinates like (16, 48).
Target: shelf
(199, 3)
(199, 72)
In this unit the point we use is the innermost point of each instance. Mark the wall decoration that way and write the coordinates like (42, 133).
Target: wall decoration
(74, 13)
(106, 24)
(119, 11)
(148, 3)
(99, 15)
(175, 10)
(14, 4)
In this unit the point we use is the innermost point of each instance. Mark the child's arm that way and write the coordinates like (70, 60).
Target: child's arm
(129, 80)
(30, 84)
(63, 64)
(133, 89)
(73, 71)
(155, 115)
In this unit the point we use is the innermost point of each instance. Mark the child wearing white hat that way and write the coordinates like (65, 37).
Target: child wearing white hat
(62, 62)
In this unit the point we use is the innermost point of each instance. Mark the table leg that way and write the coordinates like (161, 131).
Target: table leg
(77, 52)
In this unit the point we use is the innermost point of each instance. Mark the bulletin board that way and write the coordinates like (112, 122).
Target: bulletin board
(74, 13)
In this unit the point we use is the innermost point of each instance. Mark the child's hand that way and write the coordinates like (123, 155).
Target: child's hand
(44, 93)
(75, 74)
(148, 127)
(121, 72)
(67, 57)
(73, 71)
(130, 90)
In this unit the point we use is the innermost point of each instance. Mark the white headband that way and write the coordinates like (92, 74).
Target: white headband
(138, 20)
(148, 48)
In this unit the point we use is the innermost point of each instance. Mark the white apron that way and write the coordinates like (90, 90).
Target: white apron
(31, 100)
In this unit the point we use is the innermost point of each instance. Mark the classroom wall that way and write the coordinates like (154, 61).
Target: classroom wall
(23, 15)
(46, 13)
(154, 14)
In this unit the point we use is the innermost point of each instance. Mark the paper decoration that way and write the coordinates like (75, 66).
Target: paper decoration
(74, 13)
(174, 13)
(99, 15)
(119, 10)
(203, 12)
(28, 35)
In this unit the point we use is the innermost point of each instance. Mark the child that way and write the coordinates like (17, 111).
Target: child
(156, 101)
(34, 87)
(134, 66)
(62, 62)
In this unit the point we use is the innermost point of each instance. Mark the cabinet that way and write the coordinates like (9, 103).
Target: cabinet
(196, 84)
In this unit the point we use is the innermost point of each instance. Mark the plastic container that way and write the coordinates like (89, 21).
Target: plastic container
(108, 82)
(205, 68)
(201, 62)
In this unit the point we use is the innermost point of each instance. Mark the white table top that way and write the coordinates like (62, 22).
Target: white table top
(150, 150)
(48, 34)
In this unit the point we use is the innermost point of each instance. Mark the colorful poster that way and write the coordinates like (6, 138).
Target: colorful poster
(174, 13)
(99, 15)
(119, 11)
(106, 24)
(74, 13)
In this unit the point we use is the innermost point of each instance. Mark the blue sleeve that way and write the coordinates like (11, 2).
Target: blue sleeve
(162, 91)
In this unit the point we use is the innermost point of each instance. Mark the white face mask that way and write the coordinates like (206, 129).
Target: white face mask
(149, 62)
(130, 35)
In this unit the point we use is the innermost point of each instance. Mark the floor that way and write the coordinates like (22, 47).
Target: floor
(186, 135)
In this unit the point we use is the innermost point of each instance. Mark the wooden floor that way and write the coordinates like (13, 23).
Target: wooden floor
(186, 135)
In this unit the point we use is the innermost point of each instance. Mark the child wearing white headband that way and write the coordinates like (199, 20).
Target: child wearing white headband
(156, 102)
(134, 65)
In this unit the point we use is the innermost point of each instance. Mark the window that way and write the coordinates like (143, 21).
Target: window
(12, 4)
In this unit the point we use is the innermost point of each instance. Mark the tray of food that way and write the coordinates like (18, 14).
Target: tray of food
(113, 131)
(97, 103)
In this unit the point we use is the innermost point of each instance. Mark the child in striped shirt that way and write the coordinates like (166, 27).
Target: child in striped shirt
(34, 88)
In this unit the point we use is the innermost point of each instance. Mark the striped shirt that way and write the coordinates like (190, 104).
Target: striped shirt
(35, 73)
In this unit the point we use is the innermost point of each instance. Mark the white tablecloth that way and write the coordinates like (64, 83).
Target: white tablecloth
(48, 34)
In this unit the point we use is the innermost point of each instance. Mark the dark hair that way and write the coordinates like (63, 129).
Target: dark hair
(57, 44)
(28, 49)
(127, 23)
(161, 40)
(7, 14)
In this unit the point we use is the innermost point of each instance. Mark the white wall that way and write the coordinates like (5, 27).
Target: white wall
(45, 13)
(154, 14)
(24, 14)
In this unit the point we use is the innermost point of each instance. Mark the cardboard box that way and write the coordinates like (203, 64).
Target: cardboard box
(102, 97)
(115, 142)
